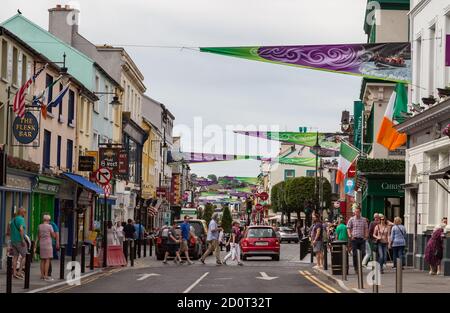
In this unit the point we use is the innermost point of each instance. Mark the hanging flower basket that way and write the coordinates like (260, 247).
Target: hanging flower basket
(429, 101)
(444, 92)
(446, 131)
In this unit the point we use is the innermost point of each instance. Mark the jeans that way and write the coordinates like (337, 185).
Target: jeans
(382, 254)
(358, 244)
(399, 252)
(368, 255)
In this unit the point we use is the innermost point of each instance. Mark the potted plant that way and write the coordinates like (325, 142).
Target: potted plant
(444, 92)
(429, 101)
(446, 131)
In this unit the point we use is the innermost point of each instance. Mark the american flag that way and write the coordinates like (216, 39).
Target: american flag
(152, 211)
(19, 99)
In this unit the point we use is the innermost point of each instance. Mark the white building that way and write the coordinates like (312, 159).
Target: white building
(428, 150)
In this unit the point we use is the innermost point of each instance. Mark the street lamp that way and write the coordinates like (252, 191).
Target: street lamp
(317, 149)
(115, 101)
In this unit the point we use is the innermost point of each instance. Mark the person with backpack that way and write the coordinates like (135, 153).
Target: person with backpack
(234, 242)
(18, 242)
(316, 236)
(397, 240)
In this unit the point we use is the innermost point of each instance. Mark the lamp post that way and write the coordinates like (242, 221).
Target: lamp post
(316, 148)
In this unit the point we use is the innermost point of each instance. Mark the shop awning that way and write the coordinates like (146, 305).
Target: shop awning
(80, 180)
(443, 173)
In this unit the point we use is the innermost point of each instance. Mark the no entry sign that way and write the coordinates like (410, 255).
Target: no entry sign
(263, 196)
(103, 176)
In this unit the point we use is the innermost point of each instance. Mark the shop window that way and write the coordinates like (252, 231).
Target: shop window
(47, 149)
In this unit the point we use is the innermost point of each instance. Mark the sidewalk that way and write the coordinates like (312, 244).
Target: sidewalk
(414, 281)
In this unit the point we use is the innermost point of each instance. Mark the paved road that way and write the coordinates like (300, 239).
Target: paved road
(258, 275)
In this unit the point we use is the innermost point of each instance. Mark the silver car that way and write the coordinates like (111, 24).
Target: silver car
(288, 234)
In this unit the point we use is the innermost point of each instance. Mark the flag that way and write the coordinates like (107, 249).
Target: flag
(388, 136)
(42, 97)
(55, 102)
(347, 156)
(19, 99)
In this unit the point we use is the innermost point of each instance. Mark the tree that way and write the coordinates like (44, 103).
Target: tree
(299, 191)
(208, 212)
(226, 220)
(212, 178)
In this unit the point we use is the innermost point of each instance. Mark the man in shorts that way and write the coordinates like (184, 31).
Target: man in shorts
(18, 243)
(185, 236)
(173, 244)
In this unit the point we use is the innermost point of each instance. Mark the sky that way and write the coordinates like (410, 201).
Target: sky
(211, 95)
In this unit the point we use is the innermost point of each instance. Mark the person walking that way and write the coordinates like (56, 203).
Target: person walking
(129, 229)
(118, 228)
(186, 235)
(434, 251)
(213, 240)
(397, 240)
(44, 241)
(316, 236)
(221, 239)
(371, 242)
(381, 237)
(18, 243)
(173, 244)
(235, 250)
(358, 232)
(341, 231)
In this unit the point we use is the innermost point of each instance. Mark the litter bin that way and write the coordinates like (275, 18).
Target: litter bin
(304, 247)
(336, 257)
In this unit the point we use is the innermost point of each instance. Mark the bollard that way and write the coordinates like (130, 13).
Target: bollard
(359, 269)
(132, 251)
(27, 271)
(9, 273)
(61, 262)
(139, 248)
(125, 249)
(151, 247)
(312, 251)
(145, 247)
(344, 262)
(91, 257)
(32, 250)
(83, 258)
(325, 256)
(74, 256)
(399, 276)
(376, 275)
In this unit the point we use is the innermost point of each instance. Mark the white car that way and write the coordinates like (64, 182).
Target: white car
(288, 234)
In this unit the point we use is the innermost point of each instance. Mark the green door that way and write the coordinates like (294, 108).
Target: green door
(42, 203)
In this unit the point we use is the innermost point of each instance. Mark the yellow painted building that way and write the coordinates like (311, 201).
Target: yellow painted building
(149, 161)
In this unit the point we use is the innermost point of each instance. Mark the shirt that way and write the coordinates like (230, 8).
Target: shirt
(172, 233)
(55, 230)
(341, 232)
(129, 231)
(358, 227)
(185, 230)
(398, 236)
(15, 229)
(212, 235)
(314, 229)
(139, 231)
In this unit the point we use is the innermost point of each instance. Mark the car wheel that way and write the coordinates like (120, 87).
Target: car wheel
(276, 258)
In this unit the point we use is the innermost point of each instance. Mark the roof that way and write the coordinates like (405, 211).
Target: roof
(79, 65)
(80, 180)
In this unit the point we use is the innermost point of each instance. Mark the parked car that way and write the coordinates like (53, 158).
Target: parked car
(288, 234)
(260, 241)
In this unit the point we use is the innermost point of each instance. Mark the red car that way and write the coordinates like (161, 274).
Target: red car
(260, 241)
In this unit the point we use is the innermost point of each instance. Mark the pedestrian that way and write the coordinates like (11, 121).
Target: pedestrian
(213, 240)
(44, 242)
(341, 231)
(118, 228)
(139, 231)
(129, 229)
(55, 245)
(234, 242)
(221, 239)
(381, 236)
(173, 244)
(186, 235)
(371, 244)
(111, 235)
(18, 242)
(397, 240)
(434, 251)
(358, 232)
(316, 236)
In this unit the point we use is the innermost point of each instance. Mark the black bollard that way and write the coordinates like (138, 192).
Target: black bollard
(145, 247)
(125, 249)
(74, 256)
(132, 252)
(325, 256)
(83, 258)
(360, 270)
(9, 274)
(32, 250)
(91, 256)
(312, 252)
(151, 247)
(27, 271)
(139, 246)
(61, 262)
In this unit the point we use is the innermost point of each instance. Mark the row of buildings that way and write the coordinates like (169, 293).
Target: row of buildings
(104, 110)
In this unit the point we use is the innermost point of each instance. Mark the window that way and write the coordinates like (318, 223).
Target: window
(15, 66)
(4, 70)
(60, 107)
(81, 119)
(289, 174)
(58, 153)
(69, 155)
(24, 69)
(310, 173)
(418, 71)
(48, 83)
(97, 87)
(431, 64)
(106, 102)
(46, 151)
(71, 108)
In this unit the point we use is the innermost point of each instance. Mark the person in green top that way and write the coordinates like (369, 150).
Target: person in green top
(341, 231)
(18, 244)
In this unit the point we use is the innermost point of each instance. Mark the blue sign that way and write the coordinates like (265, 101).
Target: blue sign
(25, 129)
(349, 186)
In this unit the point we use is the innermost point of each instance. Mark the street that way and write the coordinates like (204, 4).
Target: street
(258, 275)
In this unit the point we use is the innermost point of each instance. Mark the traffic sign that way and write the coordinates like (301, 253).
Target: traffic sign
(263, 196)
(107, 190)
(259, 207)
(103, 176)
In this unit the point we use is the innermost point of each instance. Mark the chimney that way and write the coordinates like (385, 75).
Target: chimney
(63, 22)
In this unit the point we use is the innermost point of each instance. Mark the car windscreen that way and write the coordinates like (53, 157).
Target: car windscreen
(287, 230)
(261, 233)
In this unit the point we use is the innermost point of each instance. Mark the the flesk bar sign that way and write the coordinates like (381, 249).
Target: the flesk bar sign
(26, 129)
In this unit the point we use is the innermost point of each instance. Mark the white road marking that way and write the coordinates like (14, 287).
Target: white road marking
(264, 276)
(145, 276)
(195, 283)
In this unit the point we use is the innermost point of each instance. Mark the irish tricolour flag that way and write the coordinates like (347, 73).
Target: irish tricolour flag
(347, 156)
(388, 136)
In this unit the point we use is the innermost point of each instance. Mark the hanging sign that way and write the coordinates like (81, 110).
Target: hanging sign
(109, 158)
(25, 129)
(123, 163)
(86, 163)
